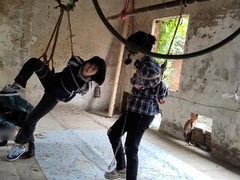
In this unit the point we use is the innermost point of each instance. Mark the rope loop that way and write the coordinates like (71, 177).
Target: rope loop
(70, 6)
(55, 34)
(122, 13)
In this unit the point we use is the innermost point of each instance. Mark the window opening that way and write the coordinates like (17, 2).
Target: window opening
(164, 29)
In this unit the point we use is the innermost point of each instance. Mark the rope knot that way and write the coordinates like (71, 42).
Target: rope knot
(122, 13)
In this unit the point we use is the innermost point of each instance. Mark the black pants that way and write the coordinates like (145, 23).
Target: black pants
(21, 118)
(135, 126)
(46, 104)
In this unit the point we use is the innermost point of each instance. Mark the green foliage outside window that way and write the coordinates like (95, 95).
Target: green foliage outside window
(167, 29)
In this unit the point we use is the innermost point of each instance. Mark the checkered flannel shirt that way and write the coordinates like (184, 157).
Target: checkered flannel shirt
(145, 100)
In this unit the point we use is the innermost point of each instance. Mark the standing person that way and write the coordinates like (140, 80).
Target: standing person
(61, 86)
(147, 91)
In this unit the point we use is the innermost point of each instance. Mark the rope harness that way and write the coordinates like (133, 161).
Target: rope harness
(54, 38)
(53, 41)
(160, 76)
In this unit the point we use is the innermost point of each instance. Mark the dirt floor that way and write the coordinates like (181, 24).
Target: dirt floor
(61, 119)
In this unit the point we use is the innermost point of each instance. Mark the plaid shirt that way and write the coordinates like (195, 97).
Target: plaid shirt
(145, 100)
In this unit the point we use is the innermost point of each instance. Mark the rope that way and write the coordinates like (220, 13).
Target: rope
(69, 6)
(164, 65)
(54, 35)
(158, 55)
(119, 144)
(70, 31)
(122, 13)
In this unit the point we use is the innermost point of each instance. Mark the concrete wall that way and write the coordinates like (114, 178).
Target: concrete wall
(26, 27)
(206, 78)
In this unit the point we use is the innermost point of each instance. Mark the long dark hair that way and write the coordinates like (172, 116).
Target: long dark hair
(99, 77)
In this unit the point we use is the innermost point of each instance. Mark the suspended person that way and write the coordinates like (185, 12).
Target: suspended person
(147, 91)
(61, 86)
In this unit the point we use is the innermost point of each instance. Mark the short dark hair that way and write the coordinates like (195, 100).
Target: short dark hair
(99, 77)
(143, 40)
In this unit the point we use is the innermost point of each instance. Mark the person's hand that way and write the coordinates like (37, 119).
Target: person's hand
(161, 101)
(137, 74)
(137, 86)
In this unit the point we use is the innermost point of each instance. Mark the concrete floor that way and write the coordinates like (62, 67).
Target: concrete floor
(61, 120)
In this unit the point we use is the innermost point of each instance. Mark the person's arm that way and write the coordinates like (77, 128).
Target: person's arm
(85, 88)
(162, 93)
(147, 76)
(136, 81)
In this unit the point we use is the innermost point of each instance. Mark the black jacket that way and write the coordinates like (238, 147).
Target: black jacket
(69, 82)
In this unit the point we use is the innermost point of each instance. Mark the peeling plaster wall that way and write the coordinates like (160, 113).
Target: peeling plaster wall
(26, 27)
(15, 26)
(206, 78)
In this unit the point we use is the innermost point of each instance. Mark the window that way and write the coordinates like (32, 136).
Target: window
(163, 30)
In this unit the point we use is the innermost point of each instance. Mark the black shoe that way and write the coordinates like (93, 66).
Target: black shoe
(30, 153)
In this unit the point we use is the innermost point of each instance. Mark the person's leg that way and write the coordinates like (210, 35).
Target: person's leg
(114, 133)
(32, 65)
(31, 149)
(31, 140)
(19, 120)
(47, 103)
(136, 128)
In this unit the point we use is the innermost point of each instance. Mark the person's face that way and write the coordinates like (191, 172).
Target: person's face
(89, 70)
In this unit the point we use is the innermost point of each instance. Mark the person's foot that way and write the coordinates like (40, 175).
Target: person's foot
(115, 174)
(30, 153)
(10, 90)
(15, 153)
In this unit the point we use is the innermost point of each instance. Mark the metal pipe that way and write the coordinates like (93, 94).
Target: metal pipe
(157, 7)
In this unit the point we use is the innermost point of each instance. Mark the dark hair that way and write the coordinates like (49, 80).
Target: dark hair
(143, 40)
(99, 77)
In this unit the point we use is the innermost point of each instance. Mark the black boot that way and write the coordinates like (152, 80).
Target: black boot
(30, 153)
